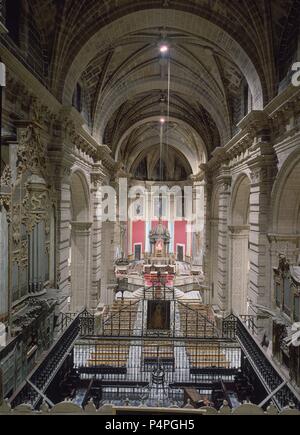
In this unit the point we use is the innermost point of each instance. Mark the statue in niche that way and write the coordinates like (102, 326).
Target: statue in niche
(159, 248)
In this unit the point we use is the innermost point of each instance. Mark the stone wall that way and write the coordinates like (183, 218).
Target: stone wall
(266, 151)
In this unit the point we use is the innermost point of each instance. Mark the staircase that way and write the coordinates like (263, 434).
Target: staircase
(109, 354)
(44, 374)
(161, 352)
(206, 356)
(197, 320)
(120, 319)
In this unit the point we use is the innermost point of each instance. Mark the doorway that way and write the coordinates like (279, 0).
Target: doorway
(180, 253)
(138, 252)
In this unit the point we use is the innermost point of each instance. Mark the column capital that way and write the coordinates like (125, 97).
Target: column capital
(262, 169)
(239, 230)
(98, 175)
(81, 227)
(224, 179)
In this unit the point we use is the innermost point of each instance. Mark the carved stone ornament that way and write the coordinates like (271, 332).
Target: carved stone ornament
(16, 223)
(262, 174)
(6, 178)
(36, 207)
(5, 201)
(20, 257)
(31, 151)
(225, 183)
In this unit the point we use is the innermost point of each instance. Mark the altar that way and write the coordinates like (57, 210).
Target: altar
(160, 241)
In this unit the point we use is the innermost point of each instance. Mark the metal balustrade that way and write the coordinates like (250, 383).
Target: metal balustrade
(276, 386)
(43, 375)
(124, 365)
(127, 368)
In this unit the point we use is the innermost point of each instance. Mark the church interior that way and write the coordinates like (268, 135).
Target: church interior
(150, 206)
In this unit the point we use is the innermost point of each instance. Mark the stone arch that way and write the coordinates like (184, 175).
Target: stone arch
(80, 201)
(240, 202)
(184, 21)
(117, 96)
(80, 242)
(154, 153)
(285, 201)
(105, 37)
(239, 230)
(193, 155)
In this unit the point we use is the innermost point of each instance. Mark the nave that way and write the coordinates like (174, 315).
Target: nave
(156, 347)
(150, 204)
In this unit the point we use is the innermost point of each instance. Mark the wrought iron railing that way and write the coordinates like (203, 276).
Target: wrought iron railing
(125, 364)
(250, 322)
(130, 368)
(159, 291)
(203, 326)
(44, 373)
(121, 323)
(280, 391)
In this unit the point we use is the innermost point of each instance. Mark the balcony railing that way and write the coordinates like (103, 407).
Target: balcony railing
(41, 377)
(278, 388)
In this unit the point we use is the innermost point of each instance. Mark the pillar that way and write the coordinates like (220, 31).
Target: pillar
(61, 162)
(96, 294)
(239, 269)
(263, 170)
(80, 271)
(199, 211)
(4, 265)
(224, 180)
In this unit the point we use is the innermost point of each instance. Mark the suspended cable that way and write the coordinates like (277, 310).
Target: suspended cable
(168, 107)
(161, 149)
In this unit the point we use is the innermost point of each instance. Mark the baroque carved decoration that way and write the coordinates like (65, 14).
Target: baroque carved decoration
(262, 174)
(5, 201)
(37, 207)
(20, 257)
(16, 224)
(31, 151)
(6, 178)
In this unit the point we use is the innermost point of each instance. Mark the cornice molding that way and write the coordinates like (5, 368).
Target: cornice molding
(32, 84)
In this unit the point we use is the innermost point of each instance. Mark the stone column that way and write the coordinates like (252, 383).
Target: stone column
(210, 238)
(108, 254)
(80, 270)
(239, 269)
(199, 211)
(110, 239)
(263, 171)
(62, 162)
(63, 230)
(96, 295)
(4, 264)
(224, 180)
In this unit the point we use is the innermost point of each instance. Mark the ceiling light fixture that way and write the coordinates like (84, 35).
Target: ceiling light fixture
(163, 48)
(162, 120)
